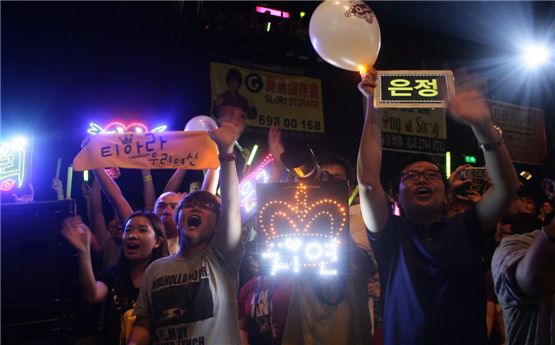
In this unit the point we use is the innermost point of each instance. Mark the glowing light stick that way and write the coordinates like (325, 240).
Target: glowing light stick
(58, 167)
(86, 175)
(69, 180)
(353, 195)
(253, 152)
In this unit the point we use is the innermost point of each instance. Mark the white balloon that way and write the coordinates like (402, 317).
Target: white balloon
(201, 123)
(346, 34)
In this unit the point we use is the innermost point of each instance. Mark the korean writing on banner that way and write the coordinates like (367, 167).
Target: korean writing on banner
(412, 89)
(523, 131)
(414, 130)
(193, 150)
(286, 101)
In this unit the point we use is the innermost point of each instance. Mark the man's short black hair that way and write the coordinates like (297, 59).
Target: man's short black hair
(233, 74)
(200, 196)
(406, 161)
(328, 158)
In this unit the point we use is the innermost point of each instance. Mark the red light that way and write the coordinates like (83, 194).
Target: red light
(273, 12)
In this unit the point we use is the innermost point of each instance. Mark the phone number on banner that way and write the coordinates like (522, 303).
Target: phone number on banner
(290, 123)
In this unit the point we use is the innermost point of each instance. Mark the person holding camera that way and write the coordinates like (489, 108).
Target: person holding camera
(431, 275)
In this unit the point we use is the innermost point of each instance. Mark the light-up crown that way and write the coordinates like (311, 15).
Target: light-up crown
(302, 235)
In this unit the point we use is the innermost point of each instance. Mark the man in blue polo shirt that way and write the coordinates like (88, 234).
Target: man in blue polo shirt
(430, 269)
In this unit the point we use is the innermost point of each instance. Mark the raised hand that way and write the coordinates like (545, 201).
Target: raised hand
(456, 180)
(468, 107)
(368, 83)
(275, 144)
(77, 233)
(226, 136)
(114, 173)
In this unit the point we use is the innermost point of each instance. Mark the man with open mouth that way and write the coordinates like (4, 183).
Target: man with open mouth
(191, 296)
(431, 274)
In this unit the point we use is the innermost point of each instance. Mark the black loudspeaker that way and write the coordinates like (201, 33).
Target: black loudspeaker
(38, 273)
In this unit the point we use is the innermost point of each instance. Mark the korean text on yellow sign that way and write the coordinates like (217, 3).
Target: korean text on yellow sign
(193, 150)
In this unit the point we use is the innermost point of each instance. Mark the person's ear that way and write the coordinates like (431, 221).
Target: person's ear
(158, 242)
(548, 186)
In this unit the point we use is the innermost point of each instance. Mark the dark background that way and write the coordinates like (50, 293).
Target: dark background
(65, 64)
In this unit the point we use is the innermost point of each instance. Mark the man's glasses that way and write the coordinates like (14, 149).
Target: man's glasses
(414, 175)
(202, 204)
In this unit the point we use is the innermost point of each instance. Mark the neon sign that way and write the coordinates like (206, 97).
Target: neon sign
(12, 166)
(303, 234)
(120, 127)
(273, 12)
(247, 187)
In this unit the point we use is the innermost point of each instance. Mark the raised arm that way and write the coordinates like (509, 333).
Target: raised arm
(114, 195)
(228, 235)
(535, 273)
(175, 181)
(275, 146)
(149, 195)
(470, 108)
(211, 179)
(79, 235)
(98, 221)
(373, 203)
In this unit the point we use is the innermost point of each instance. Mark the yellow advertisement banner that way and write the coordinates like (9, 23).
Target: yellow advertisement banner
(192, 150)
(426, 123)
(286, 101)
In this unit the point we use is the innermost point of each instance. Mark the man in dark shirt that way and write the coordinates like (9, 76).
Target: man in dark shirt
(430, 272)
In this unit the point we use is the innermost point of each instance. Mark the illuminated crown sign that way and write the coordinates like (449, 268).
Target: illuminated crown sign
(301, 225)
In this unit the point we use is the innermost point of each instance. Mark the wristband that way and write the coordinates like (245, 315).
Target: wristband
(147, 178)
(495, 145)
(227, 157)
(547, 237)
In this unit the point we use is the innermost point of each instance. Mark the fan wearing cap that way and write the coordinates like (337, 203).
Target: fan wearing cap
(190, 297)
(431, 275)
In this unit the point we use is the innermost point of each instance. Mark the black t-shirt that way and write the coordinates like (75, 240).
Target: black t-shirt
(432, 282)
(118, 301)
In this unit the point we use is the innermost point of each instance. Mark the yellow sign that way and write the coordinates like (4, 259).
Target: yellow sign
(412, 89)
(193, 150)
(427, 123)
(286, 101)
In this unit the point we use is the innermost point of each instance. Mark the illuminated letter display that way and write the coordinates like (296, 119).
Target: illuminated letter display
(301, 225)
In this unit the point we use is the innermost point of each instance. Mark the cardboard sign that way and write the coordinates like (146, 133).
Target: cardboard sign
(412, 89)
(523, 131)
(192, 150)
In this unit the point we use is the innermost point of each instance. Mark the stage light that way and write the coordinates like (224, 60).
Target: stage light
(535, 55)
(18, 142)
